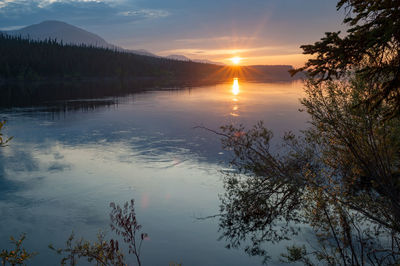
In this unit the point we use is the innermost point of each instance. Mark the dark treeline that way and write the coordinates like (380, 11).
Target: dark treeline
(24, 59)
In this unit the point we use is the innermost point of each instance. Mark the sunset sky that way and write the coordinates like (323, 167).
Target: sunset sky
(258, 31)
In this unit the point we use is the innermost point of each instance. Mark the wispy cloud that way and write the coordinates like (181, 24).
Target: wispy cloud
(4, 3)
(280, 50)
(12, 27)
(147, 13)
(87, 11)
(296, 59)
(204, 51)
(44, 3)
(217, 39)
(252, 55)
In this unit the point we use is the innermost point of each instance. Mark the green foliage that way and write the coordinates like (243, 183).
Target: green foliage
(371, 49)
(18, 256)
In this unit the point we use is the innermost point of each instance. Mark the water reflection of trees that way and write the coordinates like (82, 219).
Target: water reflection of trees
(341, 177)
(83, 95)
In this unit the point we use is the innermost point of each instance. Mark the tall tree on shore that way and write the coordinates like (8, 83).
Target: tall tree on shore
(371, 49)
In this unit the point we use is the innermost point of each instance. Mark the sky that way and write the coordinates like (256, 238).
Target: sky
(261, 32)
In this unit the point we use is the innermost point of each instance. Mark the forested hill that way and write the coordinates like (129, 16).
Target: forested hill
(24, 59)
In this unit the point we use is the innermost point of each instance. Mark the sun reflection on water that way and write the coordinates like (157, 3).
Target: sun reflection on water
(235, 86)
(235, 92)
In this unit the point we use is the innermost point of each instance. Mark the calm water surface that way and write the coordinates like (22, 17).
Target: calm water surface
(68, 161)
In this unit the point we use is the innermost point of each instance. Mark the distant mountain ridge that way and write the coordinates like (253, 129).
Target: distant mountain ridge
(61, 31)
(178, 57)
(69, 34)
(185, 58)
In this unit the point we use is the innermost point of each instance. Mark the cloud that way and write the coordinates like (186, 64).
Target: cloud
(296, 60)
(269, 55)
(77, 12)
(147, 13)
(12, 27)
(271, 50)
(217, 39)
(45, 3)
(4, 3)
(16, 8)
(11, 8)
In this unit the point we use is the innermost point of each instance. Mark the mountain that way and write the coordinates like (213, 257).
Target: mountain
(178, 57)
(68, 34)
(61, 31)
(184, 58)
(141, 52)
(206, 61)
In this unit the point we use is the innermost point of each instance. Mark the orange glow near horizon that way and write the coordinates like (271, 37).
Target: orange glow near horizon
(295, 60)
(247, 57)
(236, 60)
(235, 87)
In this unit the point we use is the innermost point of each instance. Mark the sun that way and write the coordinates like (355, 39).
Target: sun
(236, 60)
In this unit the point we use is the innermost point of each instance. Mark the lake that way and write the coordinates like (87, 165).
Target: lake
(69, 159)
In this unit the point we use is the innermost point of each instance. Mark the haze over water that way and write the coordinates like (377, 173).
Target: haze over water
(63, 168)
